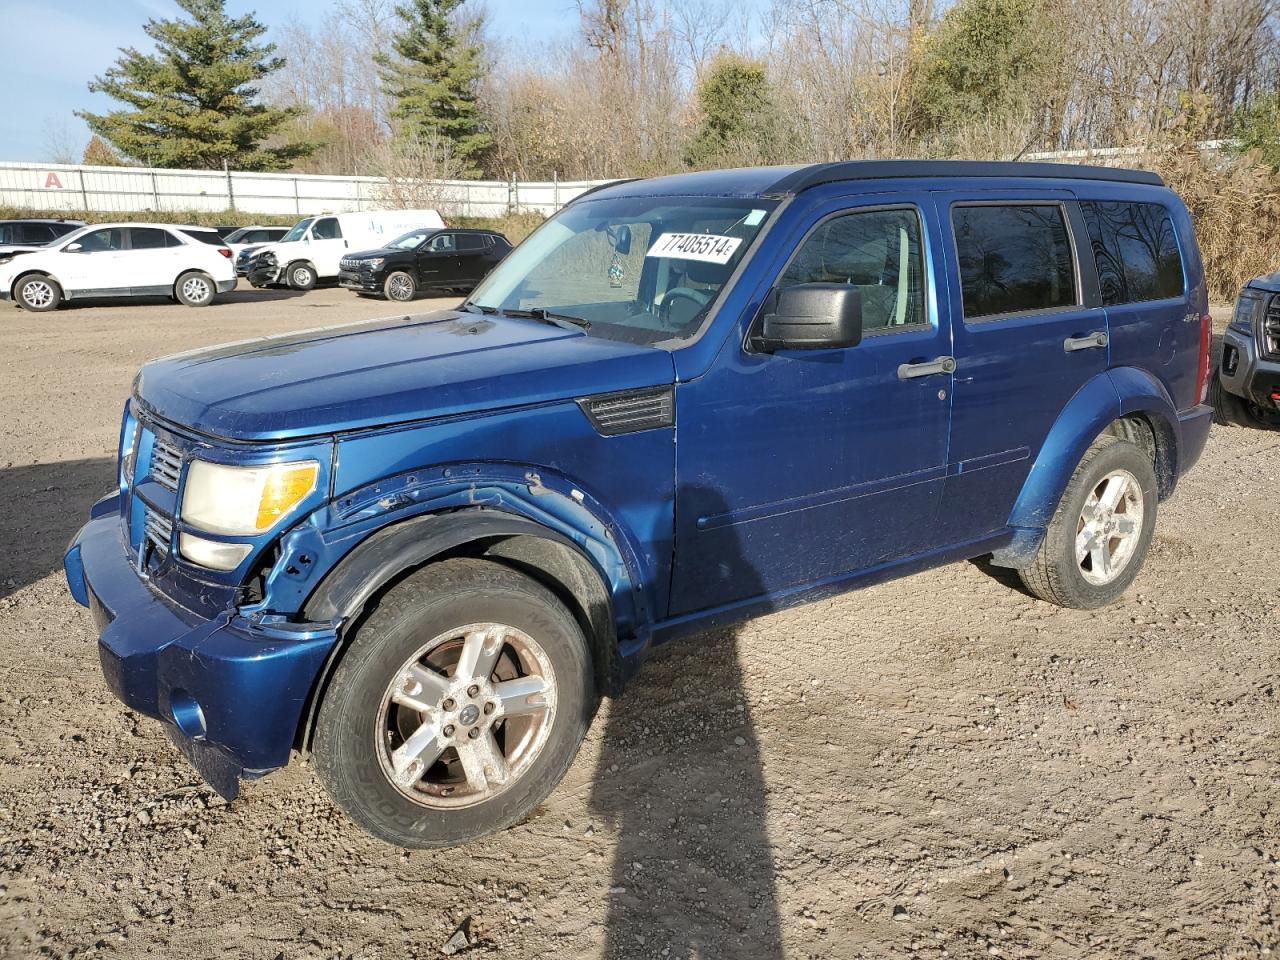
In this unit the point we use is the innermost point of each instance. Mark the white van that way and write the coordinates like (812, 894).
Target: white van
(310, 251)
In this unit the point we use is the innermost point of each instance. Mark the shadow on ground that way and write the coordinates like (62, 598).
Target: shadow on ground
(41, 507)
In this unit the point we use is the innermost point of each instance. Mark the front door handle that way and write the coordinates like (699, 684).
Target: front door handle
(910, 371)
(1096, 339)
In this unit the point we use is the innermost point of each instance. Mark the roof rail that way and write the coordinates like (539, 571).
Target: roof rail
(821, 173)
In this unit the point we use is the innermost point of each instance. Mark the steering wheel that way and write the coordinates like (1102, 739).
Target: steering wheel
(700, 297)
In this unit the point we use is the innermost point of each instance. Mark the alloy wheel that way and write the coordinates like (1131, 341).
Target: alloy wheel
(1110, 527)
(400, 287)
(196, 289)
(37, 294)
(466, 715)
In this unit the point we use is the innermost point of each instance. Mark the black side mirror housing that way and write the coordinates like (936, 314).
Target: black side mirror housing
(812, 316)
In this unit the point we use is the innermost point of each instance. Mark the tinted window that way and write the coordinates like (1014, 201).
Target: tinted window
(1136, 250)
(1013, 259)
(9, 233)
(146, 238)
(206, 236)
(37, 233)
(470, 242)
(327, 229)
(877, 251)
(96, 241)
(60, 229)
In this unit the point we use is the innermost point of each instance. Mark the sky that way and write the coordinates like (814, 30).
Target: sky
(53, 48)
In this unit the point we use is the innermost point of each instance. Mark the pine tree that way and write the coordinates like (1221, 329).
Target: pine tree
(98, 153)
(433, 79)
(738, 123)
(193, 102)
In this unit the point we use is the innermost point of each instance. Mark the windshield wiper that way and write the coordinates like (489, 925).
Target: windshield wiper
(564, 320)
(470, 307)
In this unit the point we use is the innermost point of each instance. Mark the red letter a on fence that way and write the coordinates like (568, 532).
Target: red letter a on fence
(51, 180)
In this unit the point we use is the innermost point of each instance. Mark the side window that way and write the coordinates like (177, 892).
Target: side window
(62, 229)
(99, 241)
(9, 233)
(147, 238)
(327, 228)
(470, 243)
(37, 233)
(1136, 249)
(879, 252)
(442, 243)
(1013, 259)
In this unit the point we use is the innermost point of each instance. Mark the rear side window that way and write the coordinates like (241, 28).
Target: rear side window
(1013, 259)
(470, 242)
(37, 233)
(1136, 249)
(149, 238)
(327, 229)
(206, 236)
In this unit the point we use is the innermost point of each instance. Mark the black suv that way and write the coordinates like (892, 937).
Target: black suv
(429, 258)
(1247, 389)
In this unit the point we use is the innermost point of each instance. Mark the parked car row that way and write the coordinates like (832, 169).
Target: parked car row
(391, 253)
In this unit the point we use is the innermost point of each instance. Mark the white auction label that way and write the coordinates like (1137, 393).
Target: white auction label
(707, 247)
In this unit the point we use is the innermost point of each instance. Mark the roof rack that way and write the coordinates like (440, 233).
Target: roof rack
(821, 173)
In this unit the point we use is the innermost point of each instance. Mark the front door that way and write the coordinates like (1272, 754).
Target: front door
(1030, 331)
(437, 265)
(327, 246)
(803, 466)
(96, 264)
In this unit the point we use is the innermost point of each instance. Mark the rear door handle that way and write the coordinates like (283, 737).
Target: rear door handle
(1096, 339)
(910, 371)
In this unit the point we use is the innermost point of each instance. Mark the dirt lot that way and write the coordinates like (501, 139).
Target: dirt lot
(938, 767)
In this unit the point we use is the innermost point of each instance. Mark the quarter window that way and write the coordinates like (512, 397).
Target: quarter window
(1136, 250)
(1013, 259)
(877, 251)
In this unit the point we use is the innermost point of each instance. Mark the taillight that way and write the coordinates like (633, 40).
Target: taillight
(1206, 352)
(225, 252)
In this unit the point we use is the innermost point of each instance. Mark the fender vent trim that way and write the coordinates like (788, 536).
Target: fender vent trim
(630, 411)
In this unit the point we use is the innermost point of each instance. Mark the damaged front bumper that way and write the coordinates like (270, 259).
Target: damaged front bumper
(230, 693)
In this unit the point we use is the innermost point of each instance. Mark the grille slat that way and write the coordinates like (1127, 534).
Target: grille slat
(158, 529)
(166, 464)
(1270, 345)
(630, 411)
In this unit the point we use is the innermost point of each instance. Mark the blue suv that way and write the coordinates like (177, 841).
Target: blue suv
(420, 548)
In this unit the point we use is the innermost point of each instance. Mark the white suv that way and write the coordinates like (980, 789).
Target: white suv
(190, 264)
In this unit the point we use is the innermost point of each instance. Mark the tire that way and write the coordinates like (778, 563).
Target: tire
(399, 286)
(363, 734)
(1057, 574)
(300, 276)
(38, 293)
(1233, 411)
(195, 289)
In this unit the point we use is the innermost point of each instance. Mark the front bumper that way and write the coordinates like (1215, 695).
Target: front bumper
(359, 281)
(230, 694)
(1245, 373)
(263, 276)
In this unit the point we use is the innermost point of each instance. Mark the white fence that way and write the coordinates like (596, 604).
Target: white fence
(73, 187)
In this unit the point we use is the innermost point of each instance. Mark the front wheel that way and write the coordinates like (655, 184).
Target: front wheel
(399, 286)
(194, 289)
(301, 276)
(1231, 410)
(1099, 535)
(458, 706)
(38, 293)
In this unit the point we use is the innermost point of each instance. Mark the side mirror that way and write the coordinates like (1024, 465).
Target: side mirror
(72, 248)
(813, 316)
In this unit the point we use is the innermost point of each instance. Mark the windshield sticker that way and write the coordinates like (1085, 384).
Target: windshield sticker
(753, 218)
(707, 247)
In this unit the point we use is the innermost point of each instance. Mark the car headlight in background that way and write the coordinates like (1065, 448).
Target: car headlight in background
(244, 500)
(1246, 307)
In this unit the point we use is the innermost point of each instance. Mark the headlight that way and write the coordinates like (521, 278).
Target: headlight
(244, 500)
(376, 263)
(1246, 307)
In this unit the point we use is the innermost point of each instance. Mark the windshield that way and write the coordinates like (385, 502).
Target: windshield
(235, 235)
(641, 269)
(409, 240)
(296, 231)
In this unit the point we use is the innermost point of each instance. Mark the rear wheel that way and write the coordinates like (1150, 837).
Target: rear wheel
(399, 286)
(301, 276)
(38, 293)
(1099, 535)
(194, 289)
(457, 708)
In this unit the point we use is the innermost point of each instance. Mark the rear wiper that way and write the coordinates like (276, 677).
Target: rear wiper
(565, 320)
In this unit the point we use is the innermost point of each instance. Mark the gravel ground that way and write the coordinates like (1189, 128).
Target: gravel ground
(936, 767)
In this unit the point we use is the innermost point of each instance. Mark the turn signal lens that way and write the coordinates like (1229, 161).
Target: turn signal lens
(212, 553)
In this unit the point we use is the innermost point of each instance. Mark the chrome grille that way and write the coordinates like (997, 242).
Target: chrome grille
(354, 266)
(166, 464)
(1271, 329)
(158, 529)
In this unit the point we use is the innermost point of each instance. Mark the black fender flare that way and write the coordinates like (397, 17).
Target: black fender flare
(342, 595)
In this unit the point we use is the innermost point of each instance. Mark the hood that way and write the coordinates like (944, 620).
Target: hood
(1269, 283)
(384, 252)
(383, 372)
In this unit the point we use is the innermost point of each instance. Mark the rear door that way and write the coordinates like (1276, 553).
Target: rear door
(471, 260)
(152, 261)
(1030, 331)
